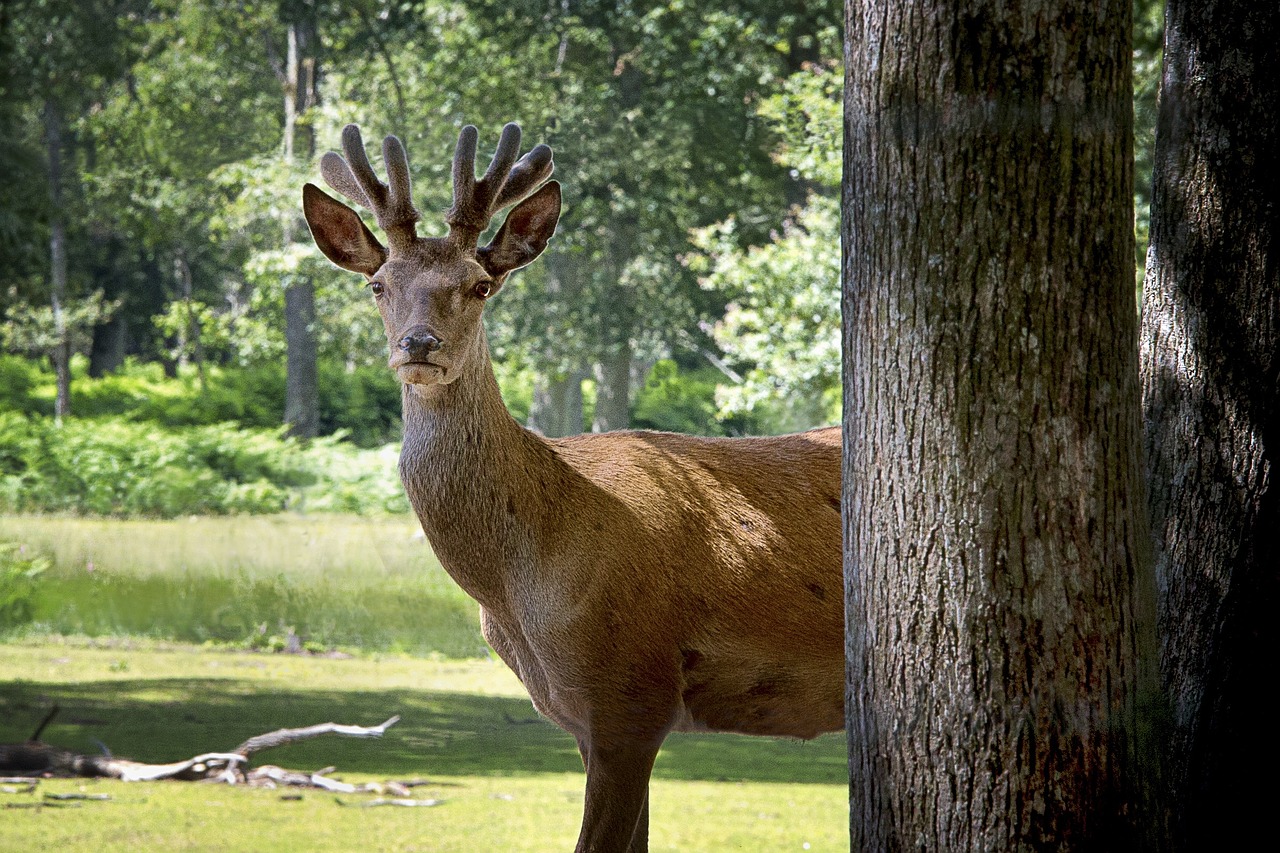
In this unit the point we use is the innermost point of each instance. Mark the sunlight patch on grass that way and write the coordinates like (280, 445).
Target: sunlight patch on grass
(510, 780)
(334, 581)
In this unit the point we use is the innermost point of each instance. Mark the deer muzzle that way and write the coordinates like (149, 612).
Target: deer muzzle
(411, 356)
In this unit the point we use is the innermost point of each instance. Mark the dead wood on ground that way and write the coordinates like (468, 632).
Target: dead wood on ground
(35, 759)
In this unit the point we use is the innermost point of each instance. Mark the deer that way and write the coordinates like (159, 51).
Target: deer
(637, 582)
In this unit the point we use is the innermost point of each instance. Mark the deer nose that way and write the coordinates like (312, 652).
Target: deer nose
(418, 345)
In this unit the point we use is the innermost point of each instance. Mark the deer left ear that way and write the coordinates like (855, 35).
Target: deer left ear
(340, 233)
(524, 234)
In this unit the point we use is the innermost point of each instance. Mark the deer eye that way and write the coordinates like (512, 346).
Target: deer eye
(377, 287)
(482, 289)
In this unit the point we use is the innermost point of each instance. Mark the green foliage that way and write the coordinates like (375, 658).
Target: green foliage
(20, 573)
(1148, 38)
(108, 466)
(781, 327)
(781, 324)
(678, 401)
(362, 403)
(38, 328)
(807, 117)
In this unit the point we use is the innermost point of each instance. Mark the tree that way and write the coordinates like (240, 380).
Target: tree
(1211, 397)
(67, 53)
(999, 591)
(620, 89)
(781, 325)
(157, 134)
(299, 78)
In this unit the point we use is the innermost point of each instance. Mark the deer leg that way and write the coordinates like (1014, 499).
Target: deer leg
(640, 838)
(616, 817)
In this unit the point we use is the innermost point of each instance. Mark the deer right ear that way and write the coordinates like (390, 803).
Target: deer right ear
(524, 234)
(340, 233)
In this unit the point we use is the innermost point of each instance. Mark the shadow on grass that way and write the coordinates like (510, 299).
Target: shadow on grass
(440, 733)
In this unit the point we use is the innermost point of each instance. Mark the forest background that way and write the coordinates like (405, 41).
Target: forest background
(160, 298)
(172, 345)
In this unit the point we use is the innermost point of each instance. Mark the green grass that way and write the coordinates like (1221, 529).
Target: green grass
(510, 780)
(337, 581)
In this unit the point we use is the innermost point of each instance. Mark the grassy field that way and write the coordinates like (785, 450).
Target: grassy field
(509, 780)
(337, 581)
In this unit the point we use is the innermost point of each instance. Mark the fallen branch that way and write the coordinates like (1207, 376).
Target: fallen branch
(283, 736)
(74, 796)
(36, 759)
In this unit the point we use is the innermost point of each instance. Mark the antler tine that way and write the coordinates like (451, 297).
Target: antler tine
(400, 204)
(358, 163)
(464, 176)
(337, 174)
(530, 171)
(505, 181)
(354, 177)
(504, 157)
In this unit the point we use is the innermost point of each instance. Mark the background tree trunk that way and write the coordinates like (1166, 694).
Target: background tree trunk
(61, 354)
(556, 408)
(1211, 396)
(613, 369)
(302, 389)
(999, 591)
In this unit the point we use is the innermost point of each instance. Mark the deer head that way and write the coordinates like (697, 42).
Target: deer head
(431, 291)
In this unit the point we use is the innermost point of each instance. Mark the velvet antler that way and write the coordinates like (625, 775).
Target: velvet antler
(392, 203)
(505, 182)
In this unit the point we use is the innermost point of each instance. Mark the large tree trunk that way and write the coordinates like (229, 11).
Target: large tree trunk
(302, 389)
(1211, 395)
(61, 354)
(999, 592)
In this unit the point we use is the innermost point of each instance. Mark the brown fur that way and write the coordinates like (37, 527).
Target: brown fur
(637, 582)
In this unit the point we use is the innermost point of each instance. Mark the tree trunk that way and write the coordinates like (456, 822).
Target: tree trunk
(106, 353)
(613, 371)
(301, 405)
(1211, 396)
(190, 344)
(557, 405)
(613, 388)
(61, 354)
(999, 593)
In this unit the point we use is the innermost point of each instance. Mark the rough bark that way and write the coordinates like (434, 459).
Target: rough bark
(999, 594)
(1211, 397)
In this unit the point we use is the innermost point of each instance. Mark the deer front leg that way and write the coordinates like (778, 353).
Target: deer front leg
(616, 816)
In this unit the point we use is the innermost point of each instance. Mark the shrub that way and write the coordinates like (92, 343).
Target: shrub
(19, 574)
(363, 403)
(115, 467)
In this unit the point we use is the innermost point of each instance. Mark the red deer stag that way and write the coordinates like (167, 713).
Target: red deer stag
(637, 582)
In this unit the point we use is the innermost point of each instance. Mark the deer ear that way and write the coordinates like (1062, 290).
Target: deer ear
(525, 233)
(340, 233)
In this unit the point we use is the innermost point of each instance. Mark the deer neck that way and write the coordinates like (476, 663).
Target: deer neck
(471, 473)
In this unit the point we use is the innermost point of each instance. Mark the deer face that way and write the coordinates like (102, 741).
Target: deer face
(431, 291)
(431, 308)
